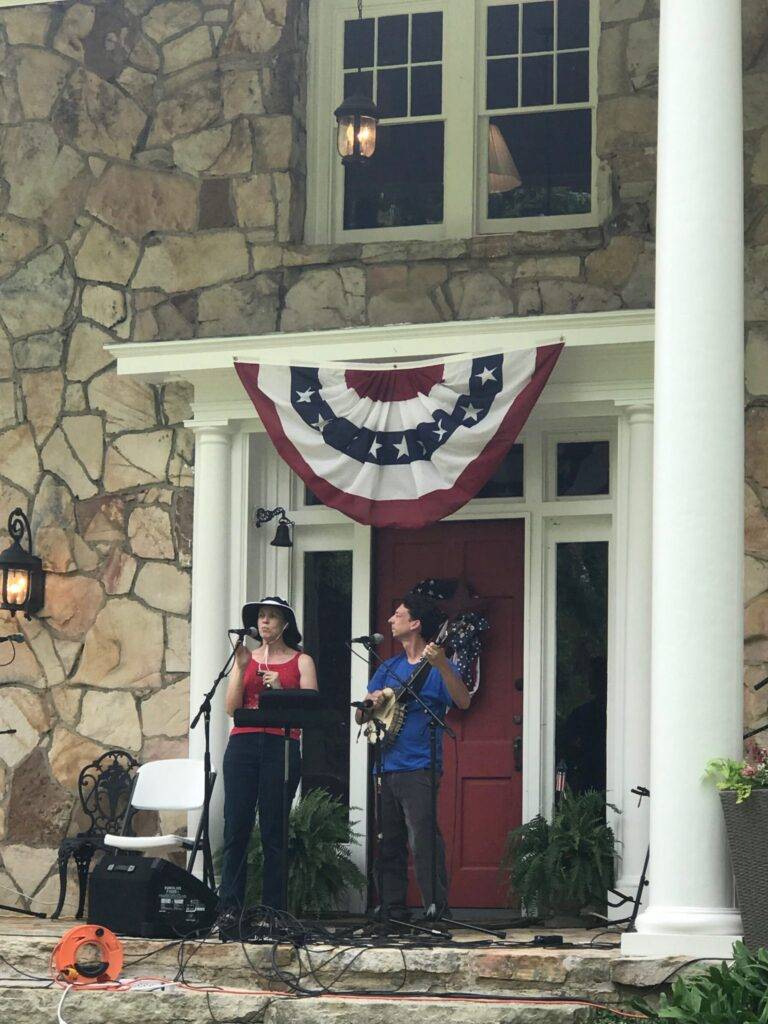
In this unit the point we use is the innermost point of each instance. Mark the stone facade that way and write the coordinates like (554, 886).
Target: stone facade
(152, 186)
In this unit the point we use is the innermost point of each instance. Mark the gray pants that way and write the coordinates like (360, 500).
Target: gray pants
(406, 820)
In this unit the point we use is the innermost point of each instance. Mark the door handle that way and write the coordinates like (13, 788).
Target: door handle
(517, 753)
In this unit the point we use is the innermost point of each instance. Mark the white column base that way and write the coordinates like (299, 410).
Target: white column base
(708, 932)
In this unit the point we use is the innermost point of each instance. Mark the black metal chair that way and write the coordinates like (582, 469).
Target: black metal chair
(104, 787)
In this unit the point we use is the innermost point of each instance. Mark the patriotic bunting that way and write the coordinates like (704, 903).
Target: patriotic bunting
(398, 447)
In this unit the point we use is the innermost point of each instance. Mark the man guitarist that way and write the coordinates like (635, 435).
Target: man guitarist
(405, 786)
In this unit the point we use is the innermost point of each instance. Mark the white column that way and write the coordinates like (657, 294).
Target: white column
(696, 711)
(636, 730)
(210, 594)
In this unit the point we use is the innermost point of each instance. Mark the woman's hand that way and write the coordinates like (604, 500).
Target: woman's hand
(242, 656)
(271, 680)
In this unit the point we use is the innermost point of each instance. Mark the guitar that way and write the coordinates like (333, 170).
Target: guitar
(385, 722)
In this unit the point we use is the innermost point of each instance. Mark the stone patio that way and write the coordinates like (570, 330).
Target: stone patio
(385, 985)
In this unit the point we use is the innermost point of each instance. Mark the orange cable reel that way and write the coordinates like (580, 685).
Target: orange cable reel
(88, 954)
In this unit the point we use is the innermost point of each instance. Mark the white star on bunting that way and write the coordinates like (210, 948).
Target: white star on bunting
(373, 450)
(321, 424)
(471, 413)
(402, 448)
(486, 375)
(304, 396)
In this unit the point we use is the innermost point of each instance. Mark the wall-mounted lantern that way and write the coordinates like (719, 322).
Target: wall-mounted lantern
(22, 580)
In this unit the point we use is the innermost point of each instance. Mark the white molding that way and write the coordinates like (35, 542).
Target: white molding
(176, 359)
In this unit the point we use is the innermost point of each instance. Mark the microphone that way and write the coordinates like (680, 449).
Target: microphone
(241, 634)
(14, 638)
(374, 639)
(362, 705)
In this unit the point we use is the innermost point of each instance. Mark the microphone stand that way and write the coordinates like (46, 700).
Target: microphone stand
(204, 712)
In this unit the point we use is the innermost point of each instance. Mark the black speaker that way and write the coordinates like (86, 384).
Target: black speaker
(149, 897)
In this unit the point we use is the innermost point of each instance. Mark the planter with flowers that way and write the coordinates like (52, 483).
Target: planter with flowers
(743, 789)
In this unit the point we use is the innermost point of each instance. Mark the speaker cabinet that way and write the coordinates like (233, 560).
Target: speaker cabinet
(149, 898)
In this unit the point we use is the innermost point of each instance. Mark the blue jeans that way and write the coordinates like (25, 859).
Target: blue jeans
(253, 779)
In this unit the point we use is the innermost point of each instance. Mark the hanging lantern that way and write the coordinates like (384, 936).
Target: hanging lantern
(357, 118)
(22, 580)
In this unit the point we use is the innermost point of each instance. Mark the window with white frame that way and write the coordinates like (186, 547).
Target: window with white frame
(488, 110)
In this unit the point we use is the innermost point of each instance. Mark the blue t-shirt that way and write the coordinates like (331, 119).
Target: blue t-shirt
(410, 749)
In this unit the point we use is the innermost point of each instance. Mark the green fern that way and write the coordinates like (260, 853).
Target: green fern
(321, 871)
(567, 862)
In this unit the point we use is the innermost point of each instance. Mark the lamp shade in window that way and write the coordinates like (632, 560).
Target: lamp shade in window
(503, 175)
(357, 118)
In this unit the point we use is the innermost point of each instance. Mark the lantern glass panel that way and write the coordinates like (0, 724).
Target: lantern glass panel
(17, 587)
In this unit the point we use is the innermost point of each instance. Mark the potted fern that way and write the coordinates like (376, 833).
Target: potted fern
(743, 789)
(565, 866)
(321, 870)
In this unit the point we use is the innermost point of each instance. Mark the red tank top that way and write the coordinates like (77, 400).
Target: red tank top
(253, 684)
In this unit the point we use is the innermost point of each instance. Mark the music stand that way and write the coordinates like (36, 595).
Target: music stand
(286, 710)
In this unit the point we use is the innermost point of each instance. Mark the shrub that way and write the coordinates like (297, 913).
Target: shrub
(321, 870)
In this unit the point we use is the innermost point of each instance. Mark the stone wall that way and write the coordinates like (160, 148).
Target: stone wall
(152, 183)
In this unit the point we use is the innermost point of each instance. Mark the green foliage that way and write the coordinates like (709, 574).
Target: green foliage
(321, 870)
(724, 994)
(566, 863)
(740, 776)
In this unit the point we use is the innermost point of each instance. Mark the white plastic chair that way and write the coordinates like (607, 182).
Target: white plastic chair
(177, 784)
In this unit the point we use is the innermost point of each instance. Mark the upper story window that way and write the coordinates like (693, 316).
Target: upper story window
(488, 113)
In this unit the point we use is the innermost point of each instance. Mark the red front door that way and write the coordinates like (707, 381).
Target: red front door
(481, 789)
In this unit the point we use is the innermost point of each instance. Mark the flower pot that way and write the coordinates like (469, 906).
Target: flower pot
(746, 825)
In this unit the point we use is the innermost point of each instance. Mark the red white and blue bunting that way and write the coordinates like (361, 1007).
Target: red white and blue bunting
(398, 447)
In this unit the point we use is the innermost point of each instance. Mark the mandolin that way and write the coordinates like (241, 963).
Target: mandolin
(391, 715)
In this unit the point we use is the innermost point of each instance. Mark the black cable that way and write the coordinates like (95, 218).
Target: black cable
(24, 974)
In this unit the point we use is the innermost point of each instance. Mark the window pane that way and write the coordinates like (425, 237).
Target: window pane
(552, 154)
(572, 24)
(503, 36)
(501, 84)
(581, 684)
(358, 82)
(507, 481)
(573, 77)
(538, 27)
(358, 43)
(583, 467)
(427, 37)
(537, 81)
(392, 94)
(327, 621)
(393, 39)
(403, 182)
(426, 90)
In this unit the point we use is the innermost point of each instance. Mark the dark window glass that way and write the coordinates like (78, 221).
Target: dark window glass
(552, 153)
(572, 77)
(427, 37)
(393, 39)
(358, 83)
(310, 498)
(503, 34)
(327, 622)
(537, 81)
(501, 84)
(538, 27)
(572, 24)
(392, 92)
(507, 481)
(426, 90)
(403, 182)
(581, 677)
(358, 43)
(583, 467)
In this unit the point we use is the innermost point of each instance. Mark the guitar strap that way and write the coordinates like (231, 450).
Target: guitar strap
(418, 680)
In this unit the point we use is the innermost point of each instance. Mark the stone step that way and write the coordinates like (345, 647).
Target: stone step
(25, 1005)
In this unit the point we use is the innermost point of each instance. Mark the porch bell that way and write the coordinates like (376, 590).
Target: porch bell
(22, 580)
(282, 537)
